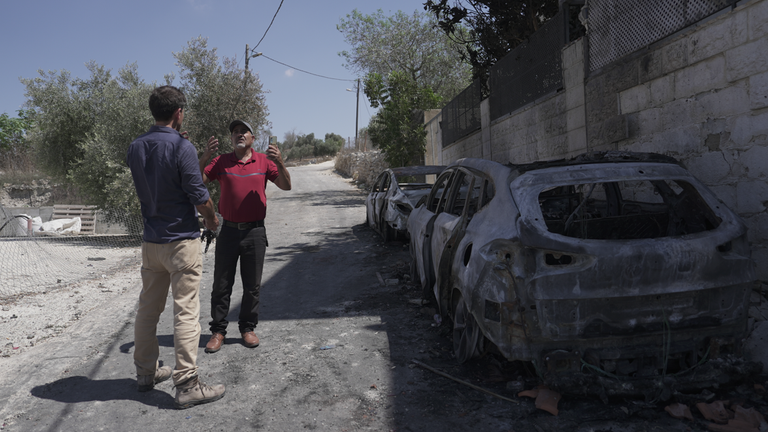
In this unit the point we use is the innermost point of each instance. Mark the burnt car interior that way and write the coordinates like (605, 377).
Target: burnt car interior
(626, 210)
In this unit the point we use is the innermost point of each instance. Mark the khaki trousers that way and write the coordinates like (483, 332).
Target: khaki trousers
(179, 265)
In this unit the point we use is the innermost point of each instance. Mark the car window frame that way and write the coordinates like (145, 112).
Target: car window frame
(456, 185)
(377, 184)
(436, 187)
(445, 198)
(385, 182)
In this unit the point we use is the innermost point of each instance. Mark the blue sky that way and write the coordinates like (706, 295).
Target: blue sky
(56, 35)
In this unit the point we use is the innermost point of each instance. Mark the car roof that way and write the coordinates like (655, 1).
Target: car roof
(597, 158)
(418, 170)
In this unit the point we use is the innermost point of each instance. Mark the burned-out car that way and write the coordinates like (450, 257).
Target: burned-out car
(617, 264)
(393, 196)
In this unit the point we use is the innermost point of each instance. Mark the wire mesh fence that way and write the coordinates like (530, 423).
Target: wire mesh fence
(40, 251)
(617, 28)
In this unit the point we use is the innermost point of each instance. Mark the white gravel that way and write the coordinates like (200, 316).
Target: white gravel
(30, 319)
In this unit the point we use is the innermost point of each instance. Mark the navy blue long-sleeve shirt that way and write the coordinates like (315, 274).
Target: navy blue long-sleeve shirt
(167, 178)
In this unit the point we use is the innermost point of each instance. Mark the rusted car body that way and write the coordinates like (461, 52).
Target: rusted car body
(619, 264)
(393, 196)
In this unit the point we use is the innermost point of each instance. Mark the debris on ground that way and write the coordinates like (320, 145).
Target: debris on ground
(546, 399)
(679, 411)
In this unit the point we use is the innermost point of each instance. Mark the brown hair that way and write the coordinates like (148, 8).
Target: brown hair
(164, 101)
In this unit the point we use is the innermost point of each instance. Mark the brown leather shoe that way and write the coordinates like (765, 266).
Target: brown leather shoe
(250, 339)
(213, 345)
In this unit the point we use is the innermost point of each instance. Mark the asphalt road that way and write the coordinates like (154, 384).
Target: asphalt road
(336, 354)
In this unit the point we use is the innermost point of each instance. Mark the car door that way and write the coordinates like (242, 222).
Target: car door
(370, 202)
(447, 229)
(380, 202)
(420, 230)
(478, 233)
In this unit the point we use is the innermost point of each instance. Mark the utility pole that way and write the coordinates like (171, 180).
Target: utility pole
(357, 112)
(248, 55)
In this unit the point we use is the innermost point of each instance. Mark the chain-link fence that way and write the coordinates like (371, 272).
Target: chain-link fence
(45, 248)
(619, 27)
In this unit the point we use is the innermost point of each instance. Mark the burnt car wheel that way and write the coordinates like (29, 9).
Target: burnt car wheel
(466, 333)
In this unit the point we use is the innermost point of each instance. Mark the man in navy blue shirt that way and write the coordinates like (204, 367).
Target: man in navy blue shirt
(167, 177)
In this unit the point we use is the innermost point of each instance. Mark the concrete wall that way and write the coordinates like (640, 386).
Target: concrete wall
(700, 95)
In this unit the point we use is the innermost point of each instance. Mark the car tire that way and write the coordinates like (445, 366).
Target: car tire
(467, 337)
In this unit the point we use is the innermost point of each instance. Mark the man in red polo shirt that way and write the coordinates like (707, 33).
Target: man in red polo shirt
(243, 176)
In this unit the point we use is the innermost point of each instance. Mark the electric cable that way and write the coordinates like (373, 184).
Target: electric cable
(270, 24)
(307, 72)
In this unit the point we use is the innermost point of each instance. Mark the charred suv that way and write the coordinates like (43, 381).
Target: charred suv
(618, 264)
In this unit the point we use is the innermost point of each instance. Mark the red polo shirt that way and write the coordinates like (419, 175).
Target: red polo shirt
(242, 185)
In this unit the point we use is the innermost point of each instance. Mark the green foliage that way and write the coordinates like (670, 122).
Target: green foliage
(396, 128)
(495, 27)
(12, 130)
(409, 64)
(83, 127)
(410, 44)
(303, 146)
(15, 151)
(331, 145)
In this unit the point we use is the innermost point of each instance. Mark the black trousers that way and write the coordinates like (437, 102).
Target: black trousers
(249, 247)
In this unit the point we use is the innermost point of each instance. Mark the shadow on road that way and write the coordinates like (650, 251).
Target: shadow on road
(78, 389)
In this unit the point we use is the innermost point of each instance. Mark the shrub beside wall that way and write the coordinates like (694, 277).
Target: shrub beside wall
(362, 167)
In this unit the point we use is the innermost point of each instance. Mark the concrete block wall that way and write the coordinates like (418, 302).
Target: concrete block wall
(470, 146)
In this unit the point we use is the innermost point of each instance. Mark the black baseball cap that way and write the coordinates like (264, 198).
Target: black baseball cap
(240, 122)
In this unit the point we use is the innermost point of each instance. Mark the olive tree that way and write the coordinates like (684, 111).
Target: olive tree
(83, 129)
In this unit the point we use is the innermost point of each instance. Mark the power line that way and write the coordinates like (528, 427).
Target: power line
(307, 72)
(270, 23)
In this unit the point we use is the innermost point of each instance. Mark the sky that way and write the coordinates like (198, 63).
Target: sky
(65, 35)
